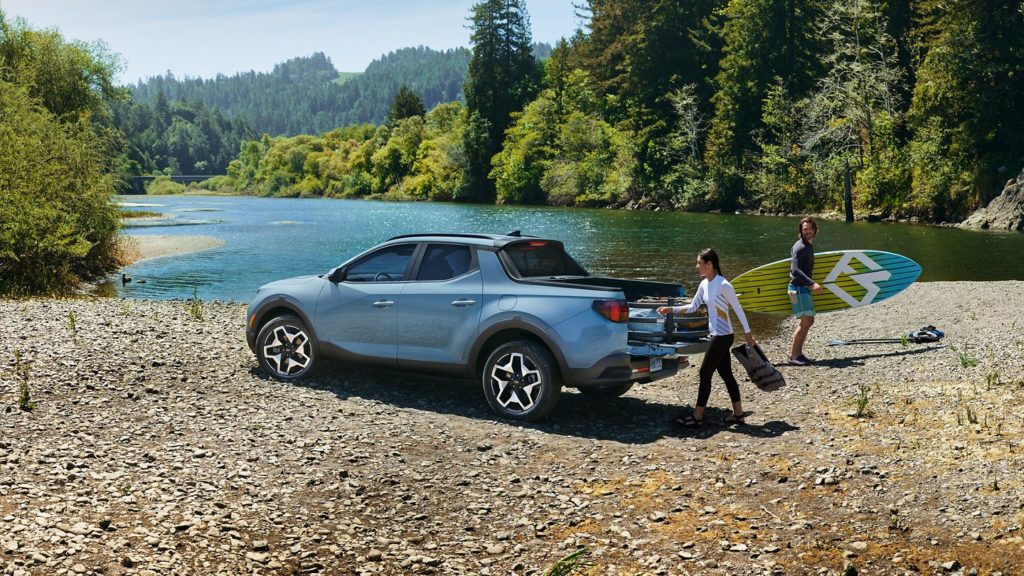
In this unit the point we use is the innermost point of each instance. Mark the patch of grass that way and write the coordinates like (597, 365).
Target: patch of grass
(862, 403)
(964, 355)
(71, 322)
(575, 562)
(991, 380)
(972, 418)
(25, 402)
(195, 306)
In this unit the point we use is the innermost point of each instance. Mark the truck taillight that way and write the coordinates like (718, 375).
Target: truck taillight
(614, 310)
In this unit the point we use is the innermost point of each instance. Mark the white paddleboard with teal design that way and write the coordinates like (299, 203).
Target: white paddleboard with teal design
(848, 279)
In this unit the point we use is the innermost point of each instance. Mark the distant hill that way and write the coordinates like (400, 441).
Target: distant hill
(436, 76)
(307, 95)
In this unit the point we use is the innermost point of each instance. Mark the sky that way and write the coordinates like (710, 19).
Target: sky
(203, 38)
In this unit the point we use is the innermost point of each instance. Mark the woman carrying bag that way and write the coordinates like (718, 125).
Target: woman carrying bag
(719, 296)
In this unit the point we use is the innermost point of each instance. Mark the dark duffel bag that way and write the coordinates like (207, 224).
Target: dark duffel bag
(761, 372)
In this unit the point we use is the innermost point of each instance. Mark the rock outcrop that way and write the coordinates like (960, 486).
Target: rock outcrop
(1005, 212)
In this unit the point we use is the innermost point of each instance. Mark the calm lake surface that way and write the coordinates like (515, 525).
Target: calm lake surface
(270, 238)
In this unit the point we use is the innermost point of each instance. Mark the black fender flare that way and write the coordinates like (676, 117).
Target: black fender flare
(259, 317)
(517, 323)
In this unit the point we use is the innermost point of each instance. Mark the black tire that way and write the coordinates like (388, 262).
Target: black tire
(521, 381)
(286, 348)
(606, 392)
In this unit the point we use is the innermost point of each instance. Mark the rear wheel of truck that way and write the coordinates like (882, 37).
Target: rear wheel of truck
(521, 381)
(606, 392)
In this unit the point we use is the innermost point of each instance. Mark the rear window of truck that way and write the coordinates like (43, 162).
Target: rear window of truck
(541, 258)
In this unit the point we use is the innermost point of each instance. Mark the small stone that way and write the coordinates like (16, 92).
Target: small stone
(859, 546)
(260, 557)
(78, 569)
(496, 549)
(260, 546)
(375, 556)
(951, 565)
(738, 548)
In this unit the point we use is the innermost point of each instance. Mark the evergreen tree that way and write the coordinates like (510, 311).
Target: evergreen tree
(503, 76)
(966, 113)
(764, 39)
(406, 103)
(641, 53)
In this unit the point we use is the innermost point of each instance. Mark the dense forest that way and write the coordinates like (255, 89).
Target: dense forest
(760, 105)
(179, 138)
(307, 96)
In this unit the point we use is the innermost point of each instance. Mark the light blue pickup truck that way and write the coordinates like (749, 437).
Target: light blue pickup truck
(516, 312)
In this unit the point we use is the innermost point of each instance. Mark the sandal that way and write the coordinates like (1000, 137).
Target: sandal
(735, 419)
(688, 421)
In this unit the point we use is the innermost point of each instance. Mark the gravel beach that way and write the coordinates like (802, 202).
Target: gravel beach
(156, 447)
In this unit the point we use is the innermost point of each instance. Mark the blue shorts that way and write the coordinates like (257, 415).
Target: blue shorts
(800, 298)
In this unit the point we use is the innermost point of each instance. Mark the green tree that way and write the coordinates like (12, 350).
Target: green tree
(862, 86)
(966, 114)
(528, 148)
(57, 224)
(73, 80)
(439, 172)
(682, 150)
(640, 54)
(406, 104)
(763, 39)
(503, 76)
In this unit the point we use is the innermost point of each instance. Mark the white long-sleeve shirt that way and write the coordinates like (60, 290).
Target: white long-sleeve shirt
(719, 296)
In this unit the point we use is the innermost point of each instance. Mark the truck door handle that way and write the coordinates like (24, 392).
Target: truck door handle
(463, 303)
(383, 303)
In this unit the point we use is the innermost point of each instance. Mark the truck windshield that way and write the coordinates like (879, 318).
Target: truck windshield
(541, 258)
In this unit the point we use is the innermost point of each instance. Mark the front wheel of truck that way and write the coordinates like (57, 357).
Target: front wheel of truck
(521, 381)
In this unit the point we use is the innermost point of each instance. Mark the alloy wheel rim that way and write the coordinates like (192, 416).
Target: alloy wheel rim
(516, 382)
(288, 350)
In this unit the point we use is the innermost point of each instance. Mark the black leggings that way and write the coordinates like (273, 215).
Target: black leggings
(717, 358)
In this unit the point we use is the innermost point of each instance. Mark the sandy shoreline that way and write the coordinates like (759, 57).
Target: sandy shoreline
(136, 248)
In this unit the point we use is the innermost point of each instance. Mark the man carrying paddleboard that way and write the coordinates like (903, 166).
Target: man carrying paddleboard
(800, 288)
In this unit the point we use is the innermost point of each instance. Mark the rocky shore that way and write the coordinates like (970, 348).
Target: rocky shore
(155, 446)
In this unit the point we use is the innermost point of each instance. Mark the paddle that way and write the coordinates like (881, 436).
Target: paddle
(866, 341)
(927, 334)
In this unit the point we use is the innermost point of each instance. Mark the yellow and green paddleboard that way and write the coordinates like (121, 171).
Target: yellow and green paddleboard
(848, 279)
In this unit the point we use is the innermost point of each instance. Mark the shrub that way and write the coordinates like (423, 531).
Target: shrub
(58, 225)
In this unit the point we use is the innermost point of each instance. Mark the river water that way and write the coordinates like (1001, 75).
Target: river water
(271, 238)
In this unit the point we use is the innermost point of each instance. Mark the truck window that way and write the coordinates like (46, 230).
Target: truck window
(542, 258)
